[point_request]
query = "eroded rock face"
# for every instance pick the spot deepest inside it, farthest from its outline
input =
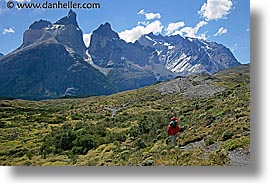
(65, 31)
(51, 64)
(72, 37)
(108, 50)
(39, 25)
(36, 32)
(130, 65)
(70, 19)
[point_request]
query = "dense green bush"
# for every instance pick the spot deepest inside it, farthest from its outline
(58, 120)
(79, 139)
(83, 143)
(227, 135)
(2, 124)
(139, 143)
(76, 117)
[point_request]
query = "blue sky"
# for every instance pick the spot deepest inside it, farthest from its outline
(224, 21)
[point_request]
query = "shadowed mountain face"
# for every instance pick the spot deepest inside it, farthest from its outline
(129, 66)
(50, 64)
(53, 61)
(65, 31)
(108, 50)
(69, 19)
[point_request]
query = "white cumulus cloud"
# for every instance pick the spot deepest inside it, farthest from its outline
(216, 9)
(87, 39)
(149, 15)
(192, 31)
(135, 33)
(9, 31)
(221, 31)
(172, 27)
(143, 23)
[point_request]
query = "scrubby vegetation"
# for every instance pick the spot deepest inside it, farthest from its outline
(128, 128)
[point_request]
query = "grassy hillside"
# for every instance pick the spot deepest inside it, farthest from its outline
(129, 128)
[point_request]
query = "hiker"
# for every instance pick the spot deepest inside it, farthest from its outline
(173, 129)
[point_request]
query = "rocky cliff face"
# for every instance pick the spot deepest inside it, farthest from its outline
(108, 50)
(50, 71)
(129, 65)
(50, 64)
(65, 31)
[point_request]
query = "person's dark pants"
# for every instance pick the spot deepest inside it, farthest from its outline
(174, 139)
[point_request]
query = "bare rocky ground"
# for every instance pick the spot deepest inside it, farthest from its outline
(198, 86)
(238, 157)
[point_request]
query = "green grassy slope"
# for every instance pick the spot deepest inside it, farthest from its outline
(129, 128)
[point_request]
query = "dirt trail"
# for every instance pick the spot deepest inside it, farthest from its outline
(238, 157)
(113, 110)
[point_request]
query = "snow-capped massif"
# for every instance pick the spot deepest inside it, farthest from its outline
(185, 56)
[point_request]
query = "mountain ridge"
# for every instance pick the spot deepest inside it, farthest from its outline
(109, 62)
(185, 56)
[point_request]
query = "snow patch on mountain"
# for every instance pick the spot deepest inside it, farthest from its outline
(89, 60)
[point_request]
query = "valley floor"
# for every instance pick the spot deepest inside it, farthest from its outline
(129, 128)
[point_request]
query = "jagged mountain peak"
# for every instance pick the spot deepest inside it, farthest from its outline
(152, 35)
(71, 12)
(107, 26)
(65, 32)
(106, 31)
(69, 19)
(40, 24)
